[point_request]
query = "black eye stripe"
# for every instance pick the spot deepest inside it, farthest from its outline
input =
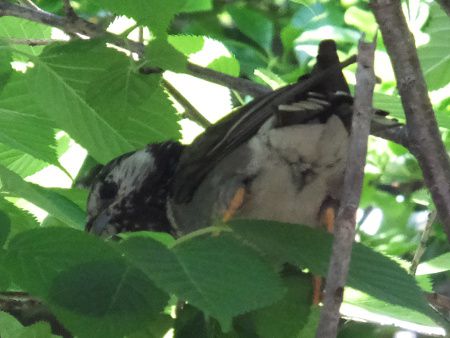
(108, 190)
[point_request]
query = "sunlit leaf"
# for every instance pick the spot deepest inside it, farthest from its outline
(435, 55)
(53, 203)
(154, 13)
(13, 29)
(435, 265)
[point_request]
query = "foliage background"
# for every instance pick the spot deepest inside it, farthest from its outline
(66, 106)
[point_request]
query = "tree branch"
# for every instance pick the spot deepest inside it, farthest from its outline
(241, 85)
(425, 139)
(398, 135)
(423, 243)
(32, 42)
(29, 310)
(79, 25)
(190, 111)
(353, 180)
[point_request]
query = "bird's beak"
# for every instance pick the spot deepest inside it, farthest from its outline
(101, 225)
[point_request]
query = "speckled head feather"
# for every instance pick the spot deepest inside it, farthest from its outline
(130, 192)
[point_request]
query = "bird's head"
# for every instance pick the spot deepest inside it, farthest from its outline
(130, 192)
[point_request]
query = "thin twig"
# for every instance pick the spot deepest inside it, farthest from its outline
(398, 135)
(31, 4)
(241, 85)
(190, 111)
(425, 139)
(353, 180)
(423, 242)
(32, 42)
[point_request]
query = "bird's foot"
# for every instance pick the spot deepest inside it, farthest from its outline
(327, 218)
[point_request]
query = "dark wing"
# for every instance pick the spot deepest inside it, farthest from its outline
(238, 127)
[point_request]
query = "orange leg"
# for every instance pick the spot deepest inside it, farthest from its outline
(235, 203)
(317, 290)
(327, 218)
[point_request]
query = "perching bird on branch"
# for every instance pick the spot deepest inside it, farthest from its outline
(281, 157)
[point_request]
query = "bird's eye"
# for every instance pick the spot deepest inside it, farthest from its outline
(108, 190)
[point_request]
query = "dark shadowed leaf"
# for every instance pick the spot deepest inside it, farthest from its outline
(254, 25)
(212, 272)
(86, 283)
(311, 249)
(5, 227)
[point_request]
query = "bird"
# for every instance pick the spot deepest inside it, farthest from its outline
(280, 157)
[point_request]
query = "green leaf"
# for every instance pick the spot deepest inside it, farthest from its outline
(24, 128)
(5, 227)
(5, 66)
(249, 57)
(154, 13)
(254, 25)
(123, 295)
(58, 84)
(29, 134)
(142, 111)
(16, 96)
(76, 195)
(55, 204)
(21, 163)
(10, 327)
(161, 237)
(156, 327)
(435, 265)
(361, 19)
(312, 323)
(227, 65)
(161, 53)
(435, 55)
(286, 318)
(390, 104)
(5, 279)
(370, 272)
(17, 28)
(21, 220)
(203, 271)
(270, 78)
(187, 44)
(288, 35)
(37, 330)
(196, 6)
(62, 266)
(373, 305)
(318, 14)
